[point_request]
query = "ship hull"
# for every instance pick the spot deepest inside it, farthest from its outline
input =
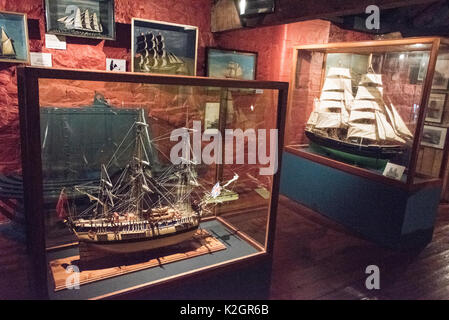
(373, 156)
(141, 243)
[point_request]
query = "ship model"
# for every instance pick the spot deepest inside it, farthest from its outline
(363, 129)
(233, 71)
(153, 56)
(6, 47)
(137, 211)
(83, 20)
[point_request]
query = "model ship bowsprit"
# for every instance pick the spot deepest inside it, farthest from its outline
(137, 211)
(6, 47)
(153, 55)
(356, 129)
(82, 20)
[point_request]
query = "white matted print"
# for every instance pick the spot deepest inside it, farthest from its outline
(434, 137)
(435, 109)
(394, 171)
(118, 65)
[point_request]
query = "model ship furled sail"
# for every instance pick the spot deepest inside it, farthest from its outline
(153, 55)
(365, 125)
(6, 47)
(83, 21)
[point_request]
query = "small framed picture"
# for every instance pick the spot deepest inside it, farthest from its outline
(434, 137)
(161, 47)
(211, 117)
(85, 19)
(394, 171)
(14, 37)
(231, 64)
(117, 65)
(441, 75)
(435, 109)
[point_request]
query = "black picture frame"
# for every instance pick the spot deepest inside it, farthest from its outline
(101, 11)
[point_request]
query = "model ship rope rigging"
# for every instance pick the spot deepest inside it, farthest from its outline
(138, 211)
(154, 56)
(365, 125)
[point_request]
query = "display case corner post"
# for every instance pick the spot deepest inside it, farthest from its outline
(28, 95)
(280, 125)
(422, 110)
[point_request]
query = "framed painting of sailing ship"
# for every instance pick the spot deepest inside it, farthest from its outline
(165, 48)
(434, 137)
(441, 77)
(231, 64)
(437, 101)
(85, 19)
(14, 45)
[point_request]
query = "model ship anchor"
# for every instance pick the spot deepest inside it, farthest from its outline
(138, 212)
(82, 21)
(6, 47)
(153, 55)
(364, 126)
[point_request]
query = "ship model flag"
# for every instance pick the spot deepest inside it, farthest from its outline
(153, 56)
(6, 47)
(136, 211)
(82, 21)
(360, 129)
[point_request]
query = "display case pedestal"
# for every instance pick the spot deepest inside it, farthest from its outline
(389, 215)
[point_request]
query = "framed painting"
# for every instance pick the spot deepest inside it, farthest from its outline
(434, 137)
(441, 75)
(14, 37)
(231, 64)
(165, 48)
(437, 101)
(81, 18)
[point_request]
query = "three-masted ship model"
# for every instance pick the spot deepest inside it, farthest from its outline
(6, 47)
(233, 71)
(153, 56)
(137, 211)
(83, 20)
(361, 129)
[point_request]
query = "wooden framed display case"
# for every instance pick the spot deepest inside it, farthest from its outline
(359, 109)
(87, 137)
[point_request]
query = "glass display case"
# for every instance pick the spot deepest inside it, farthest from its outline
(134, 180)
(376, 108)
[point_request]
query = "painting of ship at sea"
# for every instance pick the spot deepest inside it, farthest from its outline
(83, 20)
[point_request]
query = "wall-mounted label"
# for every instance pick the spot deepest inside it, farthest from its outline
(40, 59)
(53, 41)
(259, 91)
(118, 65)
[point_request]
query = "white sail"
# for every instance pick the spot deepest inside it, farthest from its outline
(86, 19)
(365, 104)
(78, 22)
(331, 84)
(325, 105)
(399, 124)
(94, 23)
(369, 93)
(361, 115)
(328, 120)
(7, 49)
(385, 130)
(361, 130)
(339, 72)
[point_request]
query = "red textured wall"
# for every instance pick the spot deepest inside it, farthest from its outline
(88, 53)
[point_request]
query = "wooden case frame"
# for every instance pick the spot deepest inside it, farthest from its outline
(28, 91)
(27, 41)
(163, 23)
(367, 47)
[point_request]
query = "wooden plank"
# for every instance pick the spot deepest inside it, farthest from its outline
(437, 160)
(203, 243)
(427, 160)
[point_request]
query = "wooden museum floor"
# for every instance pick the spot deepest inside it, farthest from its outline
(314, 259)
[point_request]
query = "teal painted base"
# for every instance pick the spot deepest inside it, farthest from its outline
(387, 215)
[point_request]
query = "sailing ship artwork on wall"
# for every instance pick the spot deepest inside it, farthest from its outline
(87, 18)
(137, 210)
(165, 48)
(231, 64)
(13, 37)
(365, 129)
